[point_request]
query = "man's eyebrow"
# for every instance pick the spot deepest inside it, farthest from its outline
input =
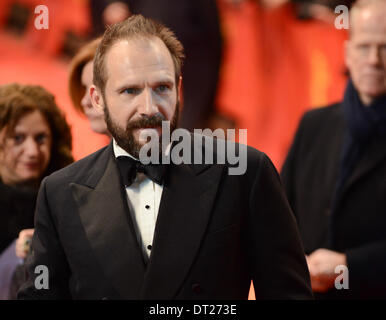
(140, 84)
(162, 81)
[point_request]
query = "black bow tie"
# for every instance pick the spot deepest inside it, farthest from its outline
(129, 168)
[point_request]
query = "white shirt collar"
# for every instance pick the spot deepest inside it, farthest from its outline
(118, 151)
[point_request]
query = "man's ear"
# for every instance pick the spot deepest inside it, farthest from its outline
(97, 99)
(179, 93)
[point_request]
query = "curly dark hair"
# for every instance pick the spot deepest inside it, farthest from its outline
(17, 100)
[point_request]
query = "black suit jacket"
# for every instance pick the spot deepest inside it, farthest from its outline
(214, 233)
(310, 175)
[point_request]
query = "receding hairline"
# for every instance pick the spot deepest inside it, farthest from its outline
(132, 27)
(134, 38)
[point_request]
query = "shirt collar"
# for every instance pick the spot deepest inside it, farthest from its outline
(118, 151)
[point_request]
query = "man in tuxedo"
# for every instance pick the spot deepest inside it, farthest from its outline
(109, 227)
(335, 172)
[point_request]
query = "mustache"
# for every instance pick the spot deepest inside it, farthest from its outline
(146, 122)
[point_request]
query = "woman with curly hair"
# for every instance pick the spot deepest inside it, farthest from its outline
(35, 140)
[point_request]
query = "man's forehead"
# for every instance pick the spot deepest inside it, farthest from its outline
(370, 18)
(139, 53)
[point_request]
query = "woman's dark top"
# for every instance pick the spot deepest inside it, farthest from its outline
(17, 206)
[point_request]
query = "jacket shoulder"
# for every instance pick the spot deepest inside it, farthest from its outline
(317, 123)
(82, 169)
(321, 115)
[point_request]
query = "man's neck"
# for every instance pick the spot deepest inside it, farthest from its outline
(366, 100)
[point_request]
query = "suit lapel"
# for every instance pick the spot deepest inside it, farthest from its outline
(109, 229)
(332, 154)
(373, 156)
(185, 209)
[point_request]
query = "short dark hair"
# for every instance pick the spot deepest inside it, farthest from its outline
(17, 100)
(136, 26)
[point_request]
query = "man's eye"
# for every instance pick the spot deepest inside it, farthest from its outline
(162, 88)
(363, 47)
(131, 90)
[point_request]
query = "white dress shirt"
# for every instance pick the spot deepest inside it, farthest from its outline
(143, 198)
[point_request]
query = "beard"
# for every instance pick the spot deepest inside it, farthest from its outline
(125, 137)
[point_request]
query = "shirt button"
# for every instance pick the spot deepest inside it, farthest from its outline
(149, 247)
(147, 206)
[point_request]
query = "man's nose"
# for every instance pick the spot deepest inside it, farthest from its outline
(148, 105)
(31, 147)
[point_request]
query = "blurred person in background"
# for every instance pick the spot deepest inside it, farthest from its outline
(80, 80)
(305, 9)
(335, 172)
(35, 140)
(323, 10)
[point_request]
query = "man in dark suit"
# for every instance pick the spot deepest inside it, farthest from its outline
(335, 172)
(109, 227)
